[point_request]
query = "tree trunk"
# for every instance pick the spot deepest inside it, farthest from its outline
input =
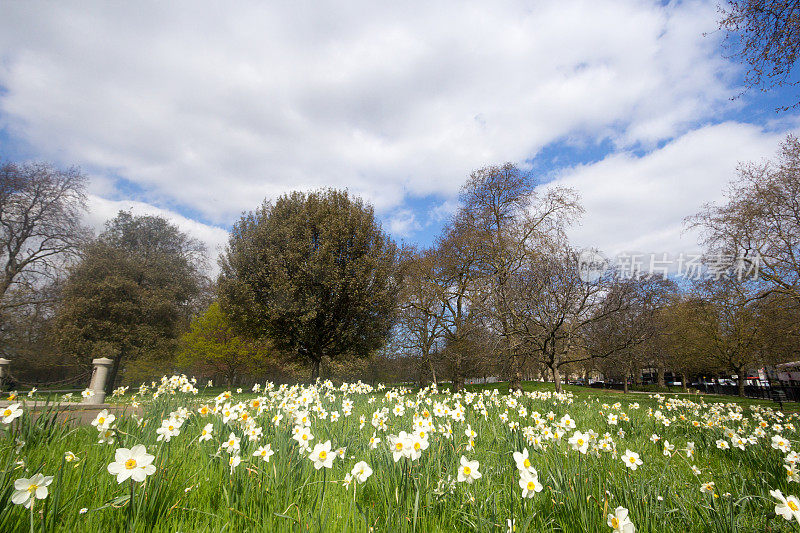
(556, 377)
(515, 383)
(112, 376)
(314, 370)
(740, 384)
(625, 382)
(684, 381)
(661, 376)
(637, 376)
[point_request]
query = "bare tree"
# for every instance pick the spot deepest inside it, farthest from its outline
(457, 279)
(757, 230)
(732, 325)
(41, 210)
(507, 215)
(765, 35)
(420, 327)
(554, 308)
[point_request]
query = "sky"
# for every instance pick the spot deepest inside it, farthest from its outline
(199, 111)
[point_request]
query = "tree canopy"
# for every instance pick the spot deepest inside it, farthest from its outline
(315, 274)
(133, 292)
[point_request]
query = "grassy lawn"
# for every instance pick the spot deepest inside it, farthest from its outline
(211, 485)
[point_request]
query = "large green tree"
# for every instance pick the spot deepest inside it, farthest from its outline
(315, 274)
(133, 293)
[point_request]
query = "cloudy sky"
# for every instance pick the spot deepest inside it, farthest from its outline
(199, 112)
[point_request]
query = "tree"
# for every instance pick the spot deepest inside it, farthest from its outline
(507, 216)
(421, 319)
(732, 325)
(554, 308)
(41, 212)
(315, 274)
(684, 346)
(625, 340)
(765, 35)
(211, 344)
(132, 294)
(756, 232)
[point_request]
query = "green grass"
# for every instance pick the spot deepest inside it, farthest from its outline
(193, 488)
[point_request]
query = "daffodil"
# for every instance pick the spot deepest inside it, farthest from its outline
(787, 507)
(321, 455)
(620, 522)
(631, 460)
(468, 471)
(134, 463)
(28, 490)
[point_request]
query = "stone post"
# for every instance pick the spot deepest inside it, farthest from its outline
(98, 383)
(4, 372)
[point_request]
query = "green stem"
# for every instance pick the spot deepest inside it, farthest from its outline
(32, 513)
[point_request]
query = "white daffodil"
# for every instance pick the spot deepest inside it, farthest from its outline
(231, 444)
(27, 490)
(529, 483)
(134, 463)
(787, 507)
(400, 445)
(206, 433)
(631, 460)
(523, 461)
(579, 442)
(468, 471)
(265, 452)
(103, 420)
(620, 522)
(321, 455)
(361, 471)
(779, 443)
(10, 413)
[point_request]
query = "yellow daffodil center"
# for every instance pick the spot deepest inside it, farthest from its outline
(398, 446)
(417, 446)
(263, 453)
(632, 459)
(615, 522)
(323, 454)
(130, 463)
(527, 463)
(7, 412)
(305, 437)
(580, 442)
(231, 443)
(792, 505)
(102, 420)
(33, 487)
(467, 470)
(531, 485)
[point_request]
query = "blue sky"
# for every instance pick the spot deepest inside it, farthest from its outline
(199, 113)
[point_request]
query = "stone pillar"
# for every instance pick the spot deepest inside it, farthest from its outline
(4, 372)
(98, 383)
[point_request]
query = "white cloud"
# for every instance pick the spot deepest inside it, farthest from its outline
(212, 107)
(638, 204)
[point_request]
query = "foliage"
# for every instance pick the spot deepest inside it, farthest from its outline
(315, 274)
(212, 346)
(132, 294)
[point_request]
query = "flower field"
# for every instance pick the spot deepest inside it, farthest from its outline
(357, 458)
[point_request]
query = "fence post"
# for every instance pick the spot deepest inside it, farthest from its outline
(4, 372)
(98, 382)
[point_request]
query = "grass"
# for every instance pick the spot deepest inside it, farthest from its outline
(195, 489)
